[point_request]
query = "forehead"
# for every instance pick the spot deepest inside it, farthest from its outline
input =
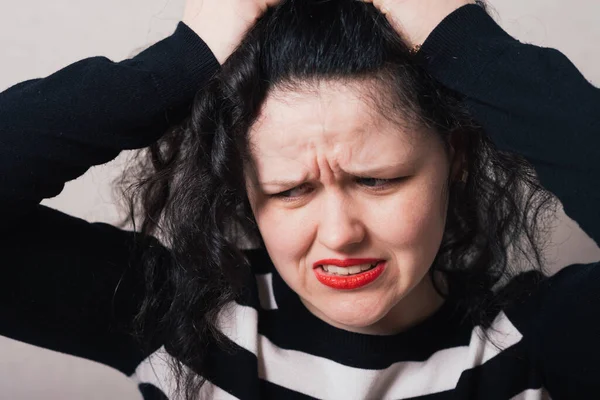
(329, 117)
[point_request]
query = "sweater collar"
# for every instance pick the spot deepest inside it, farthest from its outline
(442, 329)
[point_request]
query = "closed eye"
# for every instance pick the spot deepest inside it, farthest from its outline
(370, 183)
(298, 191)
(378, 183)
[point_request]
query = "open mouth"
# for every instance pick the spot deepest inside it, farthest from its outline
(349, 277)
(347, 271)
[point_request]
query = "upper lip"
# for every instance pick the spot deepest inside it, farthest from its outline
(349, 262)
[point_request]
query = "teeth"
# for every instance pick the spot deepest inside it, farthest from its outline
(355, 269)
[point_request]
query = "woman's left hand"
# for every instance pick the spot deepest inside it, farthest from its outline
(414, 20)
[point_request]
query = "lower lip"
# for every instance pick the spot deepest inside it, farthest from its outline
(348, 282)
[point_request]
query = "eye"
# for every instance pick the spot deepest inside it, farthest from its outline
(378, 183)
(294, 193)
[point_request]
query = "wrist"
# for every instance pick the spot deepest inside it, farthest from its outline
(429, 18)
(220, 41)
(180, 64)
(459, 46)
(223, 28)
(220, 45)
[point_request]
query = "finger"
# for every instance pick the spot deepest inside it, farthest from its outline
(380, 5)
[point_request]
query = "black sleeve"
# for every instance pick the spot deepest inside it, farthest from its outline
(534, 102)
(566, 332)
(530, 100)
(66, 284)
(53, 129)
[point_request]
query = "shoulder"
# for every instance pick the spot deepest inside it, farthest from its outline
(570, 301)
(576, 276)
(570, 295)
(560, 322)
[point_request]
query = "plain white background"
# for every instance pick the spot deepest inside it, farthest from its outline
(39, 37)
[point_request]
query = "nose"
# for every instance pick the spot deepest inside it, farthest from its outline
(341, 224)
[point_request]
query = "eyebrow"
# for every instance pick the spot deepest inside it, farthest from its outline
(379, 169)
(282, 183)
(367, 172)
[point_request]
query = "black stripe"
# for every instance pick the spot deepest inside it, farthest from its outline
(270, 390)
(292, 326)
(503, 377)
(445, 395)
(151, 392)
(312, 340)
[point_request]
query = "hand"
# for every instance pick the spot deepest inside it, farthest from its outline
(223, 23)
(414, 20)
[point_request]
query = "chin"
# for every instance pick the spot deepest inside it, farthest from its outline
(356, 315)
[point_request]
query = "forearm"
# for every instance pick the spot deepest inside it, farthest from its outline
(530, 100)
(53, 129)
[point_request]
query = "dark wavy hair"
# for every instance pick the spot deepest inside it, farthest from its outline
(188, 189)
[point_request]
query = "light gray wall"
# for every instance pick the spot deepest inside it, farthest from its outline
(38, 37)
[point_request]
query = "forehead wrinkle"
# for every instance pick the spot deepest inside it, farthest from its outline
(361, 102)
(338, 143)
(326, 128)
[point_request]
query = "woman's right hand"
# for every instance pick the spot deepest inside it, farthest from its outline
(223, 23)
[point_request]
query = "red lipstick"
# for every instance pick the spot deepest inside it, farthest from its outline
(348, 282)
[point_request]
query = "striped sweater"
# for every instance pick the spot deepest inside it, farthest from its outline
(73, 286)
(282, 351)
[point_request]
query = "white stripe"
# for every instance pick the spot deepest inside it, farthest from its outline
(502, 334)
(321, 377)
(324, 378)
(532, 394)
(265, 291)
(240, 325)
(155, 370)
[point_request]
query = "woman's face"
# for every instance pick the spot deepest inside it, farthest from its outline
(337, 188)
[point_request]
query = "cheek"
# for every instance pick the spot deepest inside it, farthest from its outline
(413, 219)
(287, 234)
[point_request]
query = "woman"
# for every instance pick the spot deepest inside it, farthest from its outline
(380, 214)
